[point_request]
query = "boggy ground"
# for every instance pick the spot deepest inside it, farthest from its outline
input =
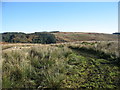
(66, 65)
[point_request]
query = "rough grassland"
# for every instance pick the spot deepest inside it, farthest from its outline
(80, 36)
(70, 65)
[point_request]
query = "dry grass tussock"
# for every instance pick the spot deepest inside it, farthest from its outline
(67, 65)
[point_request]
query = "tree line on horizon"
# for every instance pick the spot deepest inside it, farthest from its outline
(37, 37)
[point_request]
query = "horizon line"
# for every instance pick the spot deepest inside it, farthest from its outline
(57, 32)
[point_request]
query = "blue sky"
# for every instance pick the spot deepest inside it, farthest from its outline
(30, 17)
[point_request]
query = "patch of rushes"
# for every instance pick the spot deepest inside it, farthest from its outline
(57, 67)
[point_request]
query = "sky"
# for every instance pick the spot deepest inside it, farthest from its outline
(28, 17)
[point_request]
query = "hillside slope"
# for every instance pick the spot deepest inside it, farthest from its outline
(78, 36)
(53, 37)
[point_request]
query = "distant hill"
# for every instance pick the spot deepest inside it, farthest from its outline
(81, 36)
(55, 36)
(37, 37)
(117, 33)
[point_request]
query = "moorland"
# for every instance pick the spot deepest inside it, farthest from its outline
(60, 60)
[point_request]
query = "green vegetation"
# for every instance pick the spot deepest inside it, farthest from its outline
(61, 66)
(55, 36)
(37, 37)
